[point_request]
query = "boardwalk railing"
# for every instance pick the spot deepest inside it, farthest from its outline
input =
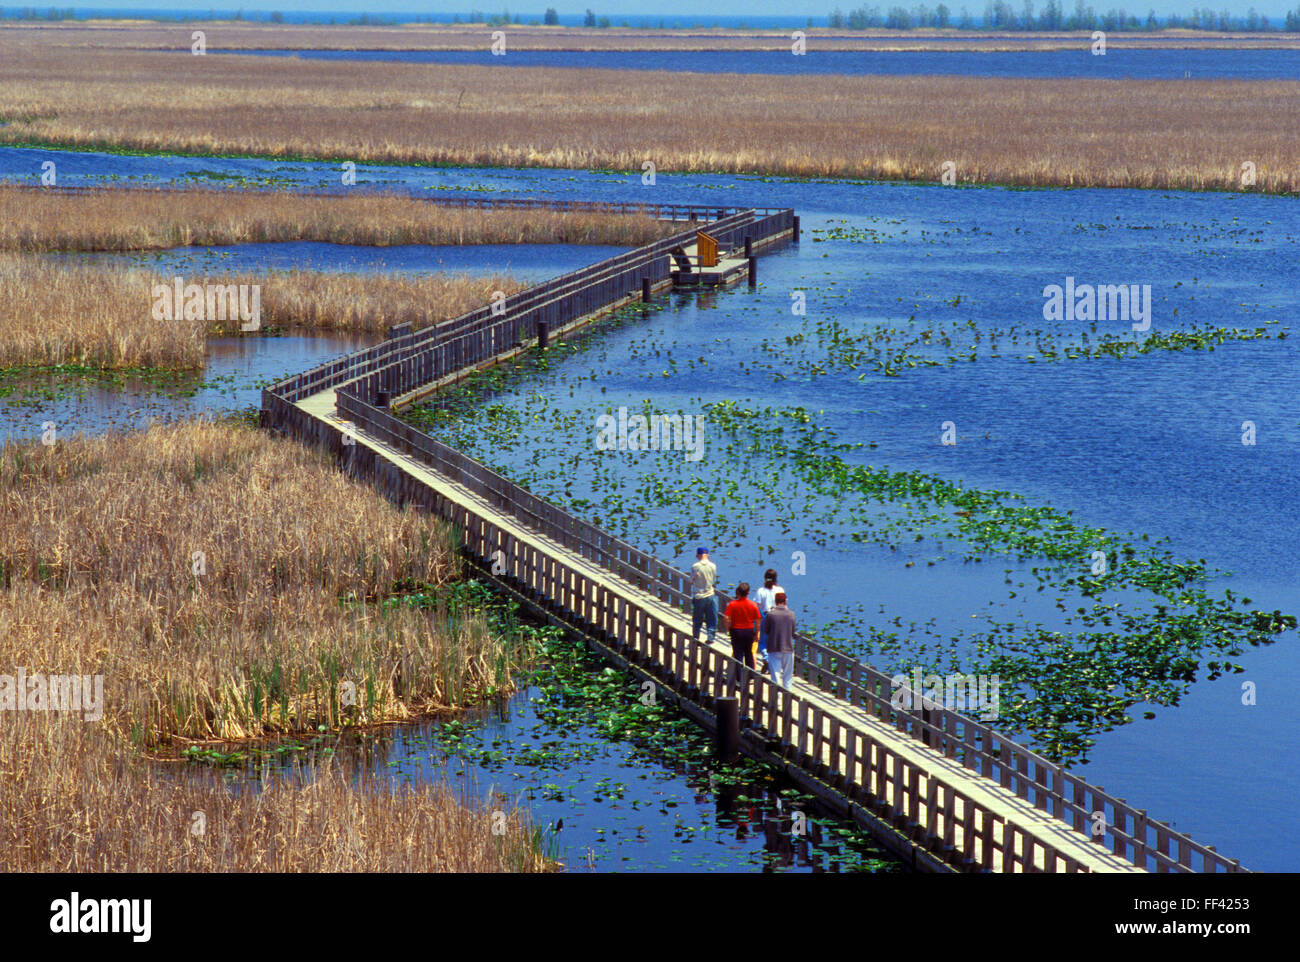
(483, 333)
(867, 770)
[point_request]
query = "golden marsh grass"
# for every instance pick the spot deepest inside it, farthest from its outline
(101, 316)
(228, 585)
(138, 220)
(73, 801)
(55, 312)
(98, 577)
(1191, 135)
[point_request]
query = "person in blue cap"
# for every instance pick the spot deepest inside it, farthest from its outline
(704, 600)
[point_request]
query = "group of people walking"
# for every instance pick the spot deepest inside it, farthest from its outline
(767, 616)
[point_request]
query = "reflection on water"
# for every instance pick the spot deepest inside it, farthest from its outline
(235, 371)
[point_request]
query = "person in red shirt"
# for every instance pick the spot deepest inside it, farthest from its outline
(743, 618)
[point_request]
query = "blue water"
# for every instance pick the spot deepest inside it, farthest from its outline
(1149, 443)
(525, 262)
(1117, 64)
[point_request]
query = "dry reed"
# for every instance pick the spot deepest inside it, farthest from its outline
(134, 220)
(226, 584)
(98, 577)
(73, 801)
(58, 313)
(61, 313)
(54, 313)
(370, 302)
(1153, 134)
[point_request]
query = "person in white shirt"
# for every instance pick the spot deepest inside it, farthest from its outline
(766, 600)
(704, 600)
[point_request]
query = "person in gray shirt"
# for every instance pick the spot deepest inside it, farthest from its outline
(778, 626)
(704, 600)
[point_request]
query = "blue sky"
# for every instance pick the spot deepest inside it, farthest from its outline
(652, 9)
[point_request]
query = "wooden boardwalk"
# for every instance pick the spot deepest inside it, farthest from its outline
(932, 784)
(990, 796)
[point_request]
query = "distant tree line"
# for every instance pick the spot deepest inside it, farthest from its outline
(31, 13)
(998, 15)
(1001, 15)
(69, 13)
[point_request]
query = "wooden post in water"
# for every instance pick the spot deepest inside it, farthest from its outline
(543, 335)
(753, 271)
(749, 246)
(795, 237)
(645, 290)
(727, 737)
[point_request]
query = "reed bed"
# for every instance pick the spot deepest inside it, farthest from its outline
(137, 220)
(55, 313)
(61, 314)
(73, 801)
(1192, 135)
(227, 585)
(369, 303)
(98, 577)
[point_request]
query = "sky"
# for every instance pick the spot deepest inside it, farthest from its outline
(659, 8)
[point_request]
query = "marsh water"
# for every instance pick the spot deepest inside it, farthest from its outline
(901, 285)
(1116, 63)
